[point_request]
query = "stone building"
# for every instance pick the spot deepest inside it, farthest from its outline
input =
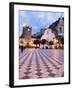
(58, 27)
(25, 37)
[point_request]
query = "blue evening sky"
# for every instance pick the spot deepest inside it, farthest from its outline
(37, 19)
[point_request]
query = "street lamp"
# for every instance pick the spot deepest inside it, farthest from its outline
(55, 41)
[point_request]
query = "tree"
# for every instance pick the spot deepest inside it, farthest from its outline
(61, 41)
(51, 43)
(43, 41)
(36, 42)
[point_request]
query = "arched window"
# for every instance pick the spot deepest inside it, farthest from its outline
(60, 30)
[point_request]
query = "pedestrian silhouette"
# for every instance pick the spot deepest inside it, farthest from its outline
(22, 48)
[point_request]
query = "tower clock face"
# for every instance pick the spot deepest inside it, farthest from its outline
(28, 29)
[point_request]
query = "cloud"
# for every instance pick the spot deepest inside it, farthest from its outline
(24, 18)
(38, 19)
(34, 29)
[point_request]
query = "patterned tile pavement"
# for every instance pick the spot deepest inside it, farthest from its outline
(41, 63)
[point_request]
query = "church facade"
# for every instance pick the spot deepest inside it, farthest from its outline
(52, 33)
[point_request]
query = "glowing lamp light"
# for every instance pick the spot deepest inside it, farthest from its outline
(55, 41)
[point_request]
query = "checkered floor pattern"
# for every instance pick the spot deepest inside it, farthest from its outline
(41, 63)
